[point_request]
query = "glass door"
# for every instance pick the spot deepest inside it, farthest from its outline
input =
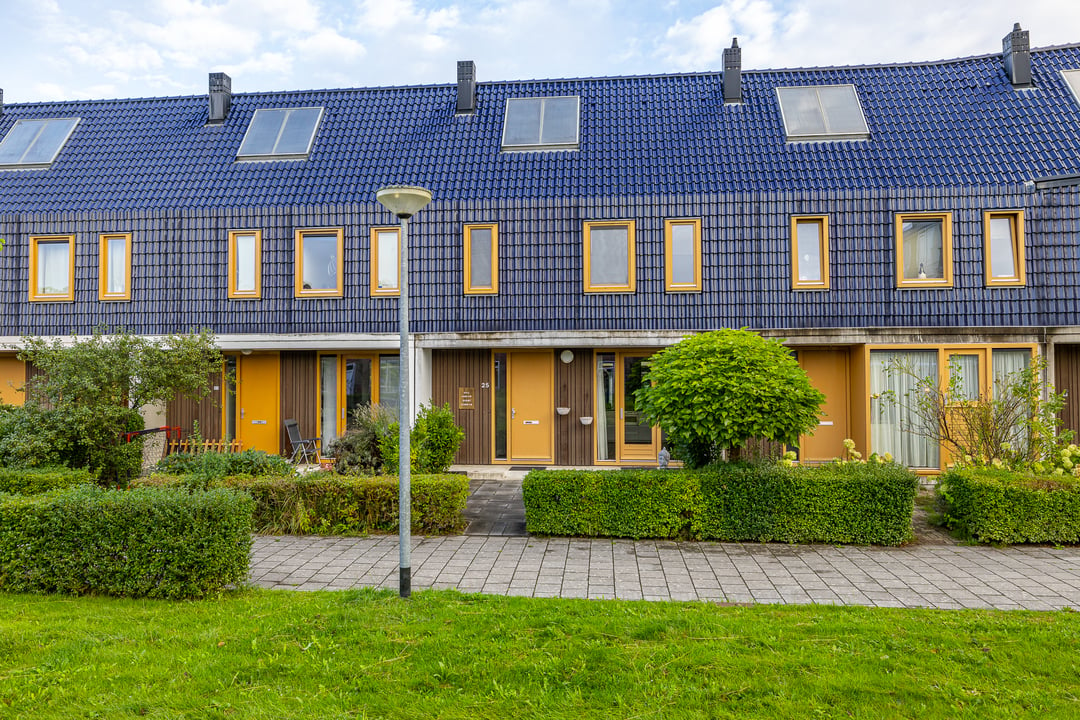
(638, 439)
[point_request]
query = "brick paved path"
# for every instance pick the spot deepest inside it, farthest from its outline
(1036, 578)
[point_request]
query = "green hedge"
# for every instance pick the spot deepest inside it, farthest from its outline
(999, 506)
(860, 503)
(30, 481)
(866, 503)
(610, 503)
(150, 542)
(325, 503)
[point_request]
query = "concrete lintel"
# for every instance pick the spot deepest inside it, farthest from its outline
(588, 338)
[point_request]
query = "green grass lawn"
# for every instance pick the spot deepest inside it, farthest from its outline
(367, 654)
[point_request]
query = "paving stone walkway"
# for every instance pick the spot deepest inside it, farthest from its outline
(495, 557)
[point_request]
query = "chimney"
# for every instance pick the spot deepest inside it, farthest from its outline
(733, 72)
(220, 97)
(1, 101)
(466, 86)
(1016, 52)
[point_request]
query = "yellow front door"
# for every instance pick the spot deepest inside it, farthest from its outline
(827, 369)
(258, 401)
(530, 379)
(12, 379)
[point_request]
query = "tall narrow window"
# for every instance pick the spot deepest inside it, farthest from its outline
(318, 262)
(895, 427)
(1004, 247)
(810, 252)
(114, 273)
(390, 382)
(609, 256)
(682, 255)
(481, 259)
(245, 264)
(924, 250)
(385, 262)
(52, 268)
(328, 399)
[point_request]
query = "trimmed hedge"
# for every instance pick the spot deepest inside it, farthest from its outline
(864, 503)
(30, 481)
(325, 503)
(855, 503)
(219, 465)
(610, 503)
(998, 506)
(150, 542)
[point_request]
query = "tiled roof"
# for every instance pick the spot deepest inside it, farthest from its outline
(950, 124)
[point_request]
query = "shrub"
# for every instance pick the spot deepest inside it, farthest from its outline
(610, 503)
(325, 503)
(33, 437)
(999, 506)
(215, 465)
(371, 444)
(360, 449)
(849, 503)
(435, 439)
(30, 481)
(865, 503)
(150, 542)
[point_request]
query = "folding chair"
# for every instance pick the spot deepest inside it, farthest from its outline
(303, 449)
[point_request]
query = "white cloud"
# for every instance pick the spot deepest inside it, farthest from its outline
(329, 45)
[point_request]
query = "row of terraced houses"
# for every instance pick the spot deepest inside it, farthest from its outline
(928, 211)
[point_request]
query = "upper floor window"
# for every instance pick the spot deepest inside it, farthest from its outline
(1004, 247)
(245, 264)
(385, 261)
(549, 123)
(822, 112)
(924, 250)
(35, 143)
(283, 133)
(810, 252)
(52, 267)
(609, 256)
(481, 259)
(114, 273)
(682, 255)
(318, 262)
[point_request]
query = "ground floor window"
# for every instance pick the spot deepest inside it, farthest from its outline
(348, 381)
(894, 428)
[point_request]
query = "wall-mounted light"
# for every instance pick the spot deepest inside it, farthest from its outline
(567, 356)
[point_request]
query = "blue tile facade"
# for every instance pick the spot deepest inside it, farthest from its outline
(951, 136)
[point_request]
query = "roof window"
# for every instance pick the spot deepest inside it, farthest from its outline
(822, 112)
(548, 123)
(35, 143)
(282, 133)
(1072, 77)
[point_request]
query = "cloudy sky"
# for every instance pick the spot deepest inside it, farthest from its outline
(75, 49)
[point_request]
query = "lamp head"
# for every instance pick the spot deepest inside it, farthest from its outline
(403, 200)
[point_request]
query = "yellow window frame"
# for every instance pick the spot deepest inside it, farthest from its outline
(376, 290)
(38, 295)
(1016, 223)
(471, 289)
(234, 293)
(822, 222)
(298, 263)
(631, 257)
(669, 250)
(103, 269)
(946, 250)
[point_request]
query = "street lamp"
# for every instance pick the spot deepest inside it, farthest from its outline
(404, 201)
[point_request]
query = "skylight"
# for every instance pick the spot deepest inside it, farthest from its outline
(822, 112)
(35, 143)
(281, 133)
(1072, 77)
(549, 123)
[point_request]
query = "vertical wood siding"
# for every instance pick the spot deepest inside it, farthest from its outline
(574, 389)
(1067, 380)
(299, 393)
(455, 369)
(184, 412)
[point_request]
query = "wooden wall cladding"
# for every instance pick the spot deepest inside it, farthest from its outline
(184, 412)
(1067, 380)
(299, 393)
(461, 378)
(574, 390)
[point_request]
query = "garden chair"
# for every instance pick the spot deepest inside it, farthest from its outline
(303, 449)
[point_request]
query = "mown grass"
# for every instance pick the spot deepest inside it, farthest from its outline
(367, 654)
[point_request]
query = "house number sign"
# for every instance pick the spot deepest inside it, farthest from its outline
(466, 398)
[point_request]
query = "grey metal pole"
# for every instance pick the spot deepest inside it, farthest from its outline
(404, 413)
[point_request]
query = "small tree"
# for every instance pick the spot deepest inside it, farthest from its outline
(714, 391)
(1015, 425)
(99, 384)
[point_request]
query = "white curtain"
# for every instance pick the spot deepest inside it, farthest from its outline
(893, 426)
(601, 410)
(328, 413)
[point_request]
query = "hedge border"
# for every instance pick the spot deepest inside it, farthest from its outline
(998, 506)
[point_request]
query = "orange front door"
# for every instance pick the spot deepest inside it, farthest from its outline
(258, 401)
(828, 372)
(530, 400)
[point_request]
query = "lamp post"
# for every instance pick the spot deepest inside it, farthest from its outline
(404, 201)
